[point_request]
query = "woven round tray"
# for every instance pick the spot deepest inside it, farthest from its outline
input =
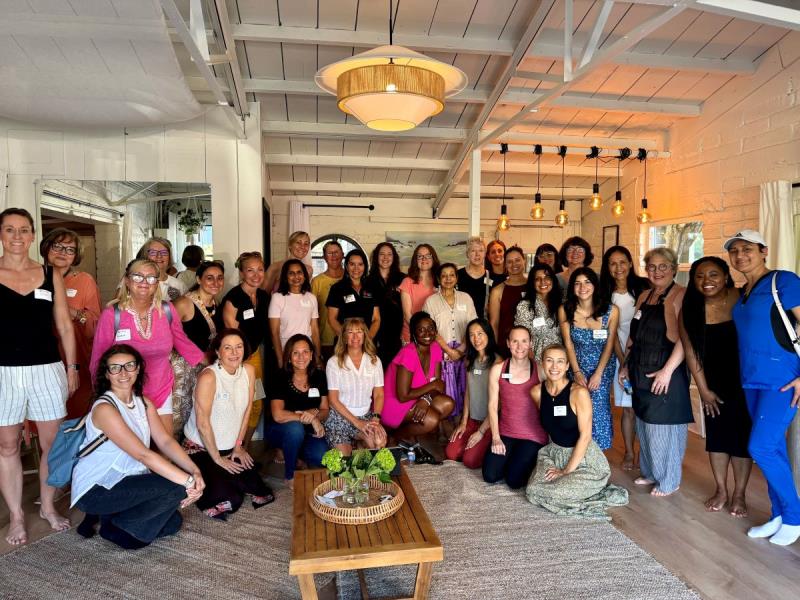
(372, 511)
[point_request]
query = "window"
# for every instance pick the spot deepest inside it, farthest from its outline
(686, 239)
(317, 258)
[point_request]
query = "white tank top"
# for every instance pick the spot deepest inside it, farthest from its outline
(109, 464)
(231, 399)
(626, 304)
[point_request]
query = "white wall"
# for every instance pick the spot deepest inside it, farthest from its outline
(200, 150)
(748, 133)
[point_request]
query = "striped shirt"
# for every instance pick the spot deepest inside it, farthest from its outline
(355, 385)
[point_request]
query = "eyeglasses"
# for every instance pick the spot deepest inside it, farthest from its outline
(548, 254)
(129, 367)
(62, 249)
(140, 277)
(424, 257)
(158, 253)
(576, 250)
(661, 268)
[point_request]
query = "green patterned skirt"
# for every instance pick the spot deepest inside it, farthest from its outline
(585, 492)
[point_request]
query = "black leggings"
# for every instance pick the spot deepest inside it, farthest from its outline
(516, 465)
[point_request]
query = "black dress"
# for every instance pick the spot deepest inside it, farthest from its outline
(729, 431)
(387, 340)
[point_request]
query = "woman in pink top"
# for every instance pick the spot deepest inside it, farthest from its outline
(145, 325)
(419, 285)
(414, 401)
(517, 432)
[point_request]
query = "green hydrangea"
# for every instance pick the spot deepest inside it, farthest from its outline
(384, 459)
(361, 459)
(332, 460)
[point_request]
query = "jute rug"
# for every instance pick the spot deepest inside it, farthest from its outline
(497, 546)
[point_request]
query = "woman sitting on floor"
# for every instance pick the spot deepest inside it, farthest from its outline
(470, 441)
(216, 428)
(517, 433)
(133, 491)
(572, 472)
(355, 388)
(414, 398)
(299, 403)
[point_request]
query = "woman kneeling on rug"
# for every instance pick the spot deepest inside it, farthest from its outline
(517, 433)
(572, 472)
(133, 491)
(216, 428)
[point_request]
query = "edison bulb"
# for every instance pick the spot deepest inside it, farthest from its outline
(596, 203)
(644, 217)
(537, 212)
(562, 218)
(503, 224)
(618, 209)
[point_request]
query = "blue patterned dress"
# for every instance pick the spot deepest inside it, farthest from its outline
(588, 349)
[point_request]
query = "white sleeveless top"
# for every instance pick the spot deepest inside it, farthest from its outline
(626, 304)
(109, 464)
(227, 410)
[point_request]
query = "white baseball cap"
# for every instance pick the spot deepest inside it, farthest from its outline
(748, 235)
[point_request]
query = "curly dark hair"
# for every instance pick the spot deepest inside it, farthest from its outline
(101, 382)
(283, 285)
(576, 241)
(374, 267)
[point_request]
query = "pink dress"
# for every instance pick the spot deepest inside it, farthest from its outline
(155, 351)
(395, 411)
(419, 293)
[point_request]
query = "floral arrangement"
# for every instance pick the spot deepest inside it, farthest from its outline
(361, 465)
(190, 220)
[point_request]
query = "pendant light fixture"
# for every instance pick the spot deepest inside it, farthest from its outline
(597, 201)
(537, 212)
(503, 222)
(562, 218)
(391, 88)
(618, 208)
(644, 216)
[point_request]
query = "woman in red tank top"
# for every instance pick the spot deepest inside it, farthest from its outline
(504, 297)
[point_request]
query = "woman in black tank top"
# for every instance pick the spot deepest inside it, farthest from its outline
(571, 471)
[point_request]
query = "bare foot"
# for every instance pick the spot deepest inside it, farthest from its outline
(738, 507)
(643, 481)
(658, 493)
(717, 502)
(57, 521)
(16, 532)
(627, 462)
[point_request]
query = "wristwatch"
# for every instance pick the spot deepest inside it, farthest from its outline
(189, 482)
(74, 367)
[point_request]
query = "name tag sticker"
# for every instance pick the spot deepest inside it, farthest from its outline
(432, 379)
(461, 307)
(637, 314)
(305, 303)
(248, 314)
(71, 292)
(349, 298)
(487, 281)
(477, 371)
(522, 294)
(123, 335)
(505, 376)
(41, 294)
(559, 411)
(313, 393)
(538, 322)
(600, 334)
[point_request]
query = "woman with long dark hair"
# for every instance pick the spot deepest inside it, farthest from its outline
(620, 283)
(710, 342)
(293, 308)
(538, 310)
(504, 297)
(385, 278)
(353, 296)
(589, 328)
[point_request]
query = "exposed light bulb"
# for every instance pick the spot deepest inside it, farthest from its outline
(597, 201)
(562, 218)
(618, 208)
(391, 87)
(537, 212)
(503, 223)
(644, 216)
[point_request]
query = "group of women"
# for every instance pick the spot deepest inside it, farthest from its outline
(522, 366)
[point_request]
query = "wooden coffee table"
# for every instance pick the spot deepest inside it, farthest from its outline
(319, 546)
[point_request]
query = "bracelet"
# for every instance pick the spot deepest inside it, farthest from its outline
(74, 367)
(426, 397)
(189, 482)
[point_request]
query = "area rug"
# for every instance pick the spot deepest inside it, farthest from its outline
(496, 545)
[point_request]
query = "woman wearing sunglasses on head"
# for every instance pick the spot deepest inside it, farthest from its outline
(139, 317)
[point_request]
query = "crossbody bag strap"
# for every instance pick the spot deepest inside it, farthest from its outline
(784, 317)
(100, 439)
(212, 328)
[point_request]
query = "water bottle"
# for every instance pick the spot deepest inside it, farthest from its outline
(626, 385)
(411, 456)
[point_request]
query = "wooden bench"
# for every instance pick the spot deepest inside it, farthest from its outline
(318, 546)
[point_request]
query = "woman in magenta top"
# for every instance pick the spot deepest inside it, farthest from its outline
(517, 432)
(145, 325)
(419, 285)
(414, 401)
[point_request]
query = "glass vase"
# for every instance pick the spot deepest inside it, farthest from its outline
(356, 491)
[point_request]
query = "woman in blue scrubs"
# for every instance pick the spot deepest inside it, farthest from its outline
(770, 377)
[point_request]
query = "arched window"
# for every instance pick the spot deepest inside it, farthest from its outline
(318, 260)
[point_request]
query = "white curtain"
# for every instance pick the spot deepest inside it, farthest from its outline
(300, 220)
(776, 222)
(3, 184)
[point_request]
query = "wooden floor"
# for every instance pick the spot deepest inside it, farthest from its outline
(709, 551)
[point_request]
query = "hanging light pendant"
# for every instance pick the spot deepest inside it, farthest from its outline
(537, 212)
(618, 209)
(391, 88)
(644, 216)
(503, 222)
(597, 201)
(562, 218)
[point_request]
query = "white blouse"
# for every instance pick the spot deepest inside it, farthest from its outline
(355, 385)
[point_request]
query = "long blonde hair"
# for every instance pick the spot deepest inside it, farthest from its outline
(123, 297)
(341, 345)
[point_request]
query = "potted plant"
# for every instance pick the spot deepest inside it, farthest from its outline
(190, 221)
(352, 473)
